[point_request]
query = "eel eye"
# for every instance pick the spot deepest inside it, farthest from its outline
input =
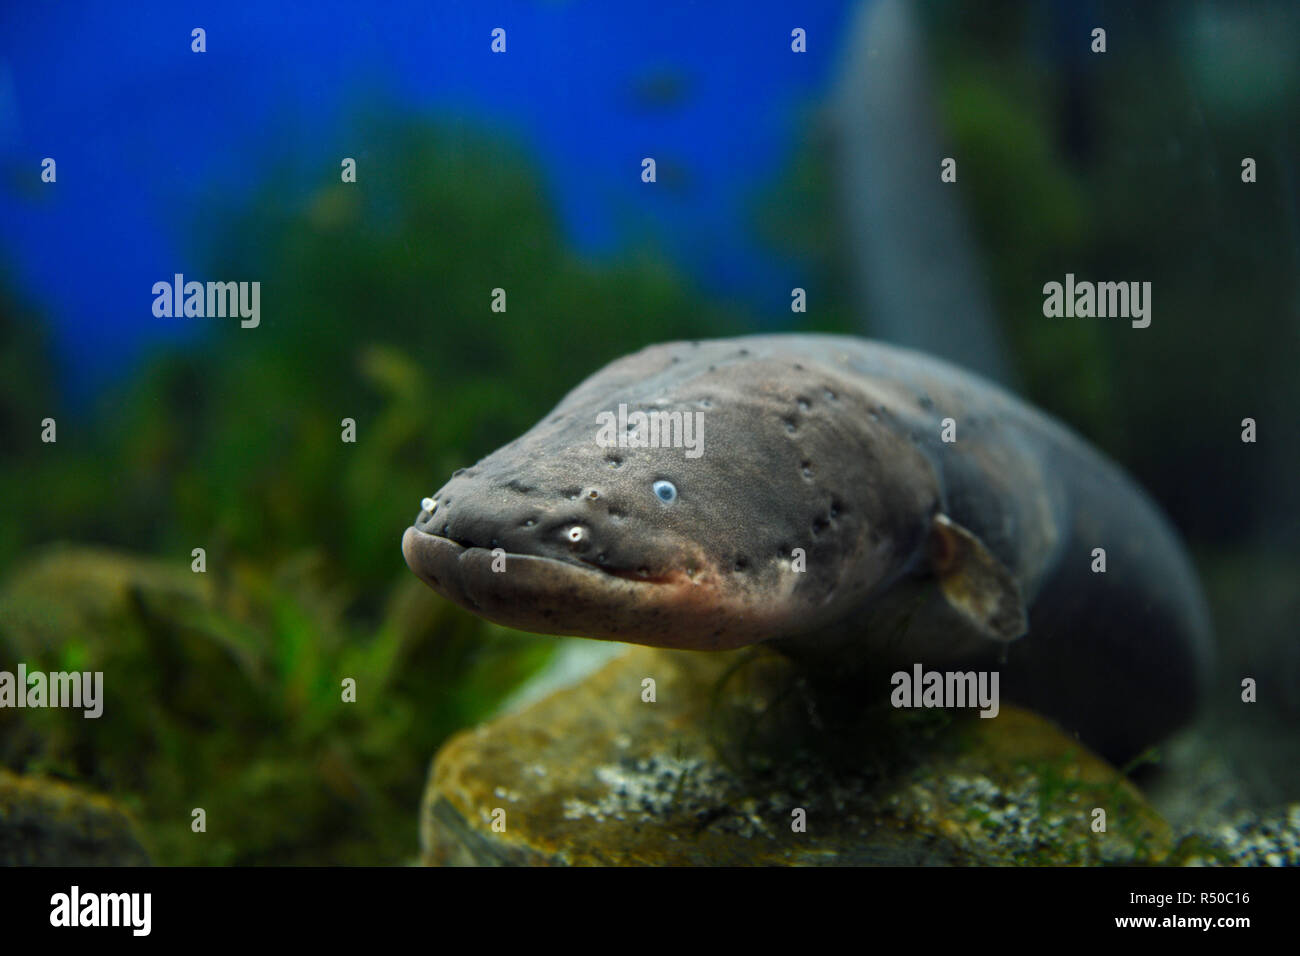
(665, 491)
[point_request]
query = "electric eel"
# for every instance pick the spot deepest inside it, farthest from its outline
(858, 505)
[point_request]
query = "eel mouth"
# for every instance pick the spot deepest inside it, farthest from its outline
(547, 595)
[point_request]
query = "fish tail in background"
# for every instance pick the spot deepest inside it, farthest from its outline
(918, 280)
(1283, 491)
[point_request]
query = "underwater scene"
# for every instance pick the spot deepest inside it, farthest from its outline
(559, 433)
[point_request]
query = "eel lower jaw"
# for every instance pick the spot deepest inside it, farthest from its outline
(551, 596)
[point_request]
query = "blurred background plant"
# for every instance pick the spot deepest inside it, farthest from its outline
(226, 693)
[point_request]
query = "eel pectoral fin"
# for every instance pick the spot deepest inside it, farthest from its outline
(974, 584)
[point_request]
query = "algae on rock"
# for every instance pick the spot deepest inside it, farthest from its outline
(47, 822)
(717, 768)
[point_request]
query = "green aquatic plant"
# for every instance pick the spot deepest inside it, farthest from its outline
(230, 697)
(225, 687)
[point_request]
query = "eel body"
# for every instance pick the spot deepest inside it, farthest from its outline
(861, 506)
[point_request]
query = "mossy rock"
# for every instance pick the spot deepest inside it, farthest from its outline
(224, 691)
(713, 771)
(67, 590)
(152, 628)
(47, 822)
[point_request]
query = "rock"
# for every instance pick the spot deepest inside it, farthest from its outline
(171, 656)
(46, 822)
(713, 771)
(1249, 838)
(65, 589)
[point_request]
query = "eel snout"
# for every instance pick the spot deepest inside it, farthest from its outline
(547, 595)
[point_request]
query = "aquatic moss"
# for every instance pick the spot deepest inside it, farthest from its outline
(225, 687)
